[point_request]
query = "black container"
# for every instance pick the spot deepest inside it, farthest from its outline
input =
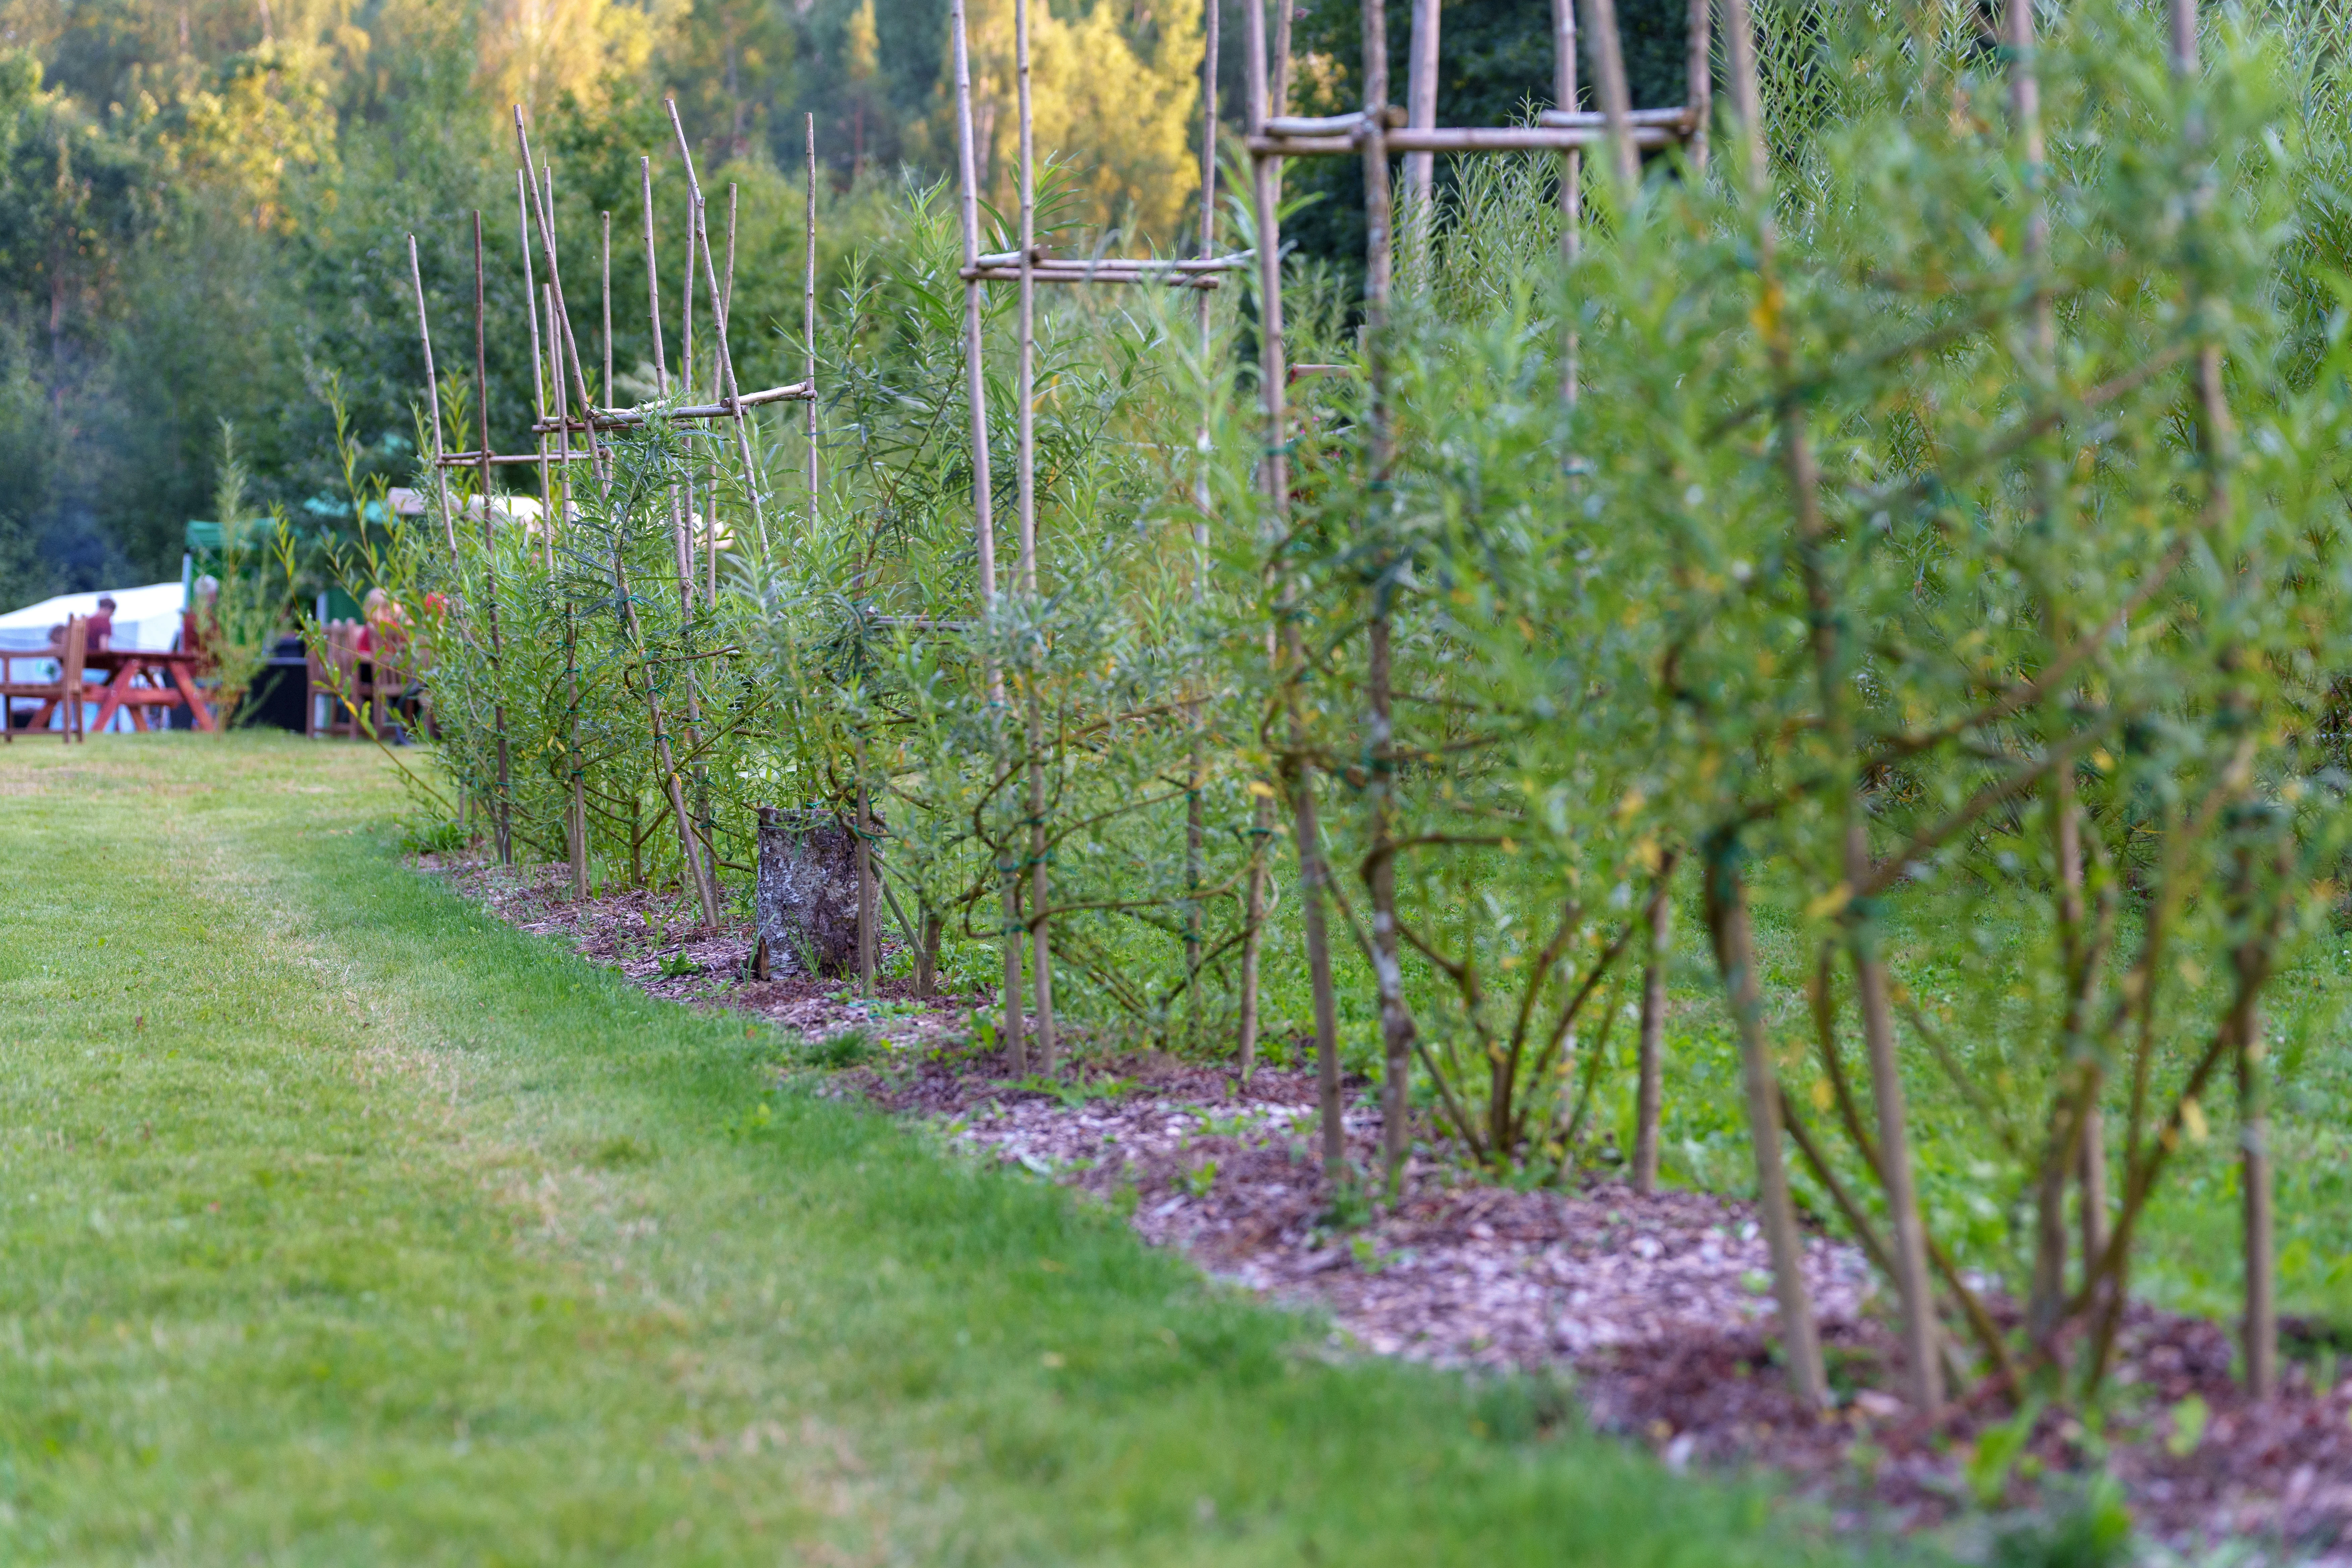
(280, 695)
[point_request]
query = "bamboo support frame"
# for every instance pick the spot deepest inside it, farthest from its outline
(1466, 138)
(474, 460)
(726, 408)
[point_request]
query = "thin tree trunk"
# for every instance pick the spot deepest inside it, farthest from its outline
(2260, 1328)
(1650, 1074)
(1735, 958)
(2093, 1178)
(1571, 185)
(1910, 1237)
(866, 912)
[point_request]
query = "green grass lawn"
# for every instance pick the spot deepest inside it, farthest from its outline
(344, 1225)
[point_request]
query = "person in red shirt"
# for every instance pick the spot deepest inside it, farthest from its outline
(101, 624)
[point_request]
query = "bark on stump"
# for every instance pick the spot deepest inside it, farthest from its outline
(806, 895)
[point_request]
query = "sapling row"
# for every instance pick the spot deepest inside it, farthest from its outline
(1890, 566)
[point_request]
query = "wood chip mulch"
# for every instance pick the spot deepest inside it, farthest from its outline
(1656, 1308)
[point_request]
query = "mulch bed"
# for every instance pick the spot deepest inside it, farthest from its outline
(1655, 1307)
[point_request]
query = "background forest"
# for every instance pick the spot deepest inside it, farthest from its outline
(203, 202)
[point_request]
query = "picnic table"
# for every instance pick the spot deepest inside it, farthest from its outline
(170, 680)
(140, 678)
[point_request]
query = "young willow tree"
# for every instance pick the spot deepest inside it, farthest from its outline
(1988, 504)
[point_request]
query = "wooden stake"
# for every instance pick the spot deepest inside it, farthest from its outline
(727, 280)
(1195, 814)
(1616, 103)
(1397, 1030)
(983, 500)
(808, 307)
(1277, 87)
(432, 402)
(609, 399)
(1421, 113)
(725, 361)
(686, 301)
(568, 347)
(653, 279)
(576, 829)
(1300, 772)
(1025, 390)
(1571, 183)
(502, 822)
(538, 379)
(1699, 79)
(725, 309)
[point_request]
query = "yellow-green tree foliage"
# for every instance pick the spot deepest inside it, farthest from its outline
(534, 52)
(1117, 91)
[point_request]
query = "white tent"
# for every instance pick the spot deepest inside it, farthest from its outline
(145, 618)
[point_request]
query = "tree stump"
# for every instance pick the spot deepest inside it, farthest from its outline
(806, 895)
